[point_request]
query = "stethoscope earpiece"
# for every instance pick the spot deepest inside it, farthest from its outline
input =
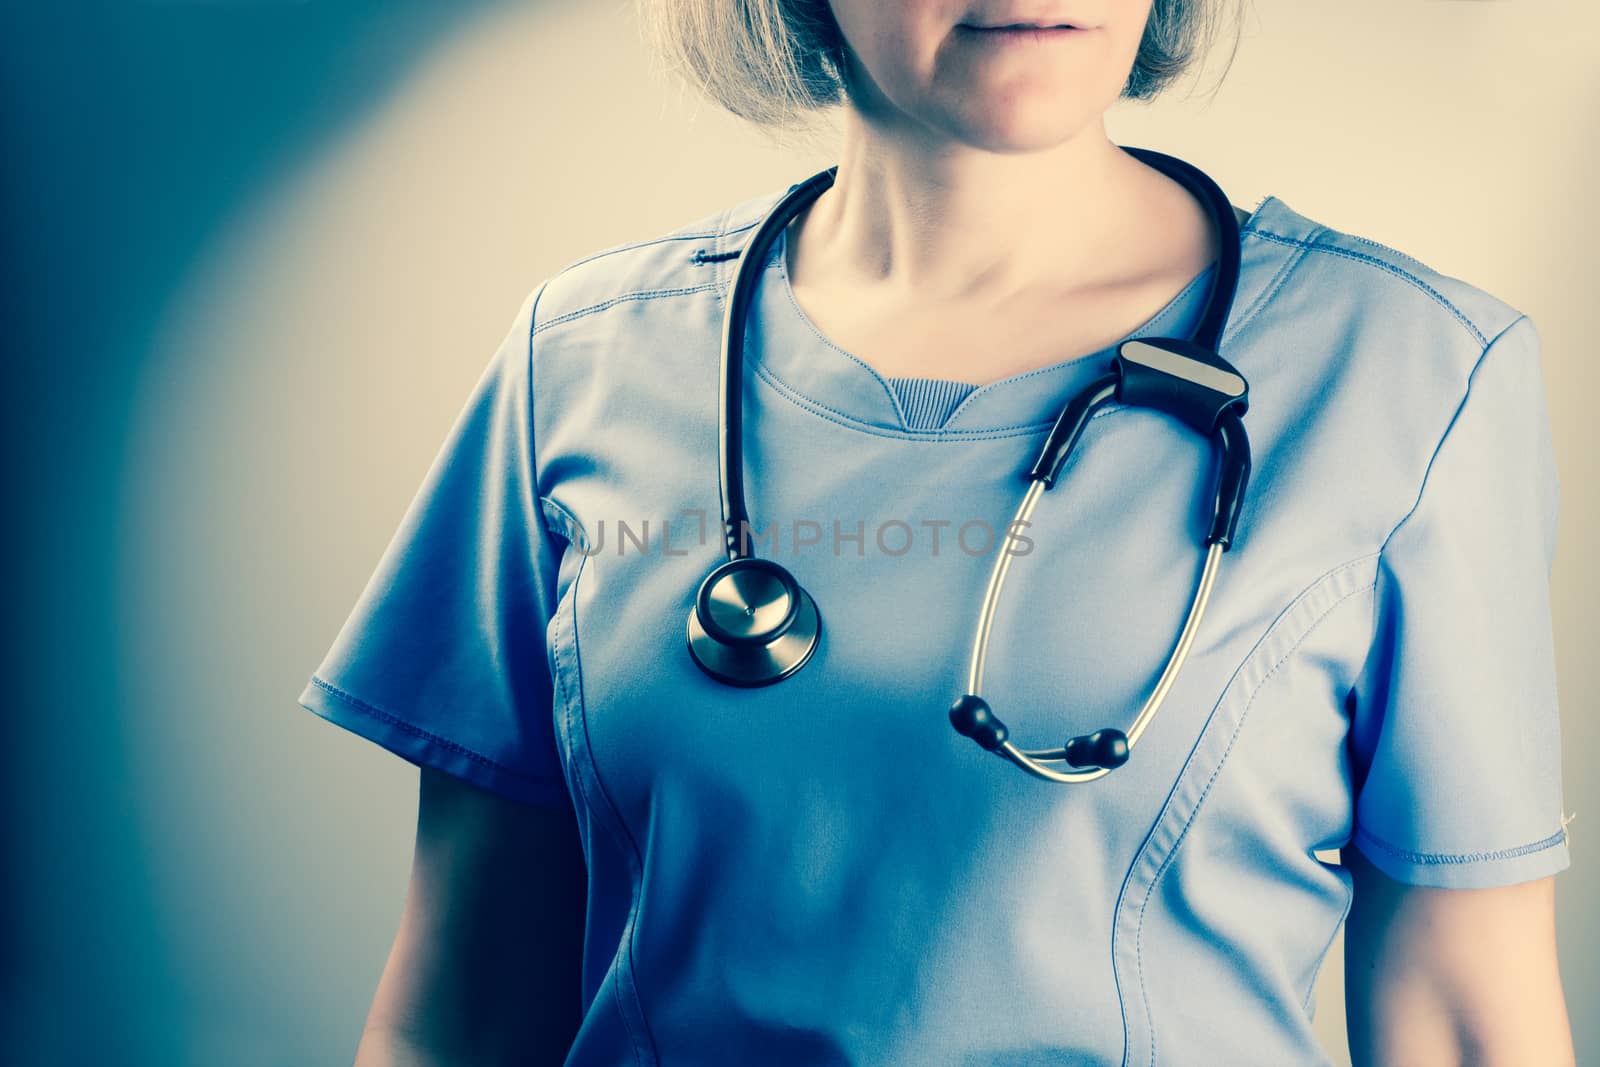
(751, 623)
(972, 717)
(1106, 748)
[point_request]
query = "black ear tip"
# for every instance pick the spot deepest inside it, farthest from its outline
(1106, 748)
(972, 717)
(1111, 748)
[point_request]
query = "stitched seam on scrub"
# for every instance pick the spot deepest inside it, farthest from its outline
(416, 731)
(624, 954)
(1445, 858)
(644, 294)
(722, 269)
(1422, 486)
(834, 415)
(1254, 218)
(1177, 298)
(571, 529)
(782, 267)
(1166, 864)
(697, 235)
(596, 815)
(1231, 331)
(1421, 266)
(721, 264)
(894, 399)
(782, 245)
(806, 402)
(533, 432)
(1171, 799)
(829, 414)
(1362, 257)
(620, 835)
(1466, 395)
(594, 767)
(743, 226)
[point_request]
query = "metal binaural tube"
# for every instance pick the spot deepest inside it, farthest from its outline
(991, 597)
(1180, 652)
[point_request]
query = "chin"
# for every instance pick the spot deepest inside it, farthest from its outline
(1032, 130)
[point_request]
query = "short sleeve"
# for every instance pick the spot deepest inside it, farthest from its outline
(1455, 733)
(443, 659)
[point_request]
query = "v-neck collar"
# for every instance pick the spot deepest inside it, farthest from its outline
(784, 346)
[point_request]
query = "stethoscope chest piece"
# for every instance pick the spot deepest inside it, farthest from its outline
(752, 624)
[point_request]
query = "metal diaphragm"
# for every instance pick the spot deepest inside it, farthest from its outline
(752, 624)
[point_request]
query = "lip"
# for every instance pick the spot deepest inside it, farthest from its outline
(1019, 34)
(995, 18)
(1023, 24)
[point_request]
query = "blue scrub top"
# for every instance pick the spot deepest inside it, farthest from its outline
(823, 871)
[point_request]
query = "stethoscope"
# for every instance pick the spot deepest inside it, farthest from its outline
(753, 625)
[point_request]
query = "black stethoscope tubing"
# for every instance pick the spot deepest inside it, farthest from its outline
(751, 624)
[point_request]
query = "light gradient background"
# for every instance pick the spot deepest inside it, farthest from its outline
(257, 254)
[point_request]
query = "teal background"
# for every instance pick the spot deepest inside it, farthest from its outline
(160, 910)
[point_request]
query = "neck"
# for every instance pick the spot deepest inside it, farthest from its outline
(954, 223)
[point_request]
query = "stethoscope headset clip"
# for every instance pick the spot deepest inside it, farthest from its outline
(752, 624)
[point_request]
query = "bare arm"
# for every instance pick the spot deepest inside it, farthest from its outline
(1452, 976)
(485, 966)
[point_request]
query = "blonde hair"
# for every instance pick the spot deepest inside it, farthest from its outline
(778, 63)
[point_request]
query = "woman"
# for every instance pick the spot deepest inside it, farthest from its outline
(620, 856)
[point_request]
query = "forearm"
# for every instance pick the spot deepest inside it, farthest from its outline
(451, 995)
(485, 965)
(385, 1047)
(1453, 977)
(417, 1023)
(1412, 1019)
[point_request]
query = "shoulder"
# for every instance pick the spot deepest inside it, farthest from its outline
(1360, 284)
(678, 262)
(1362, 360)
